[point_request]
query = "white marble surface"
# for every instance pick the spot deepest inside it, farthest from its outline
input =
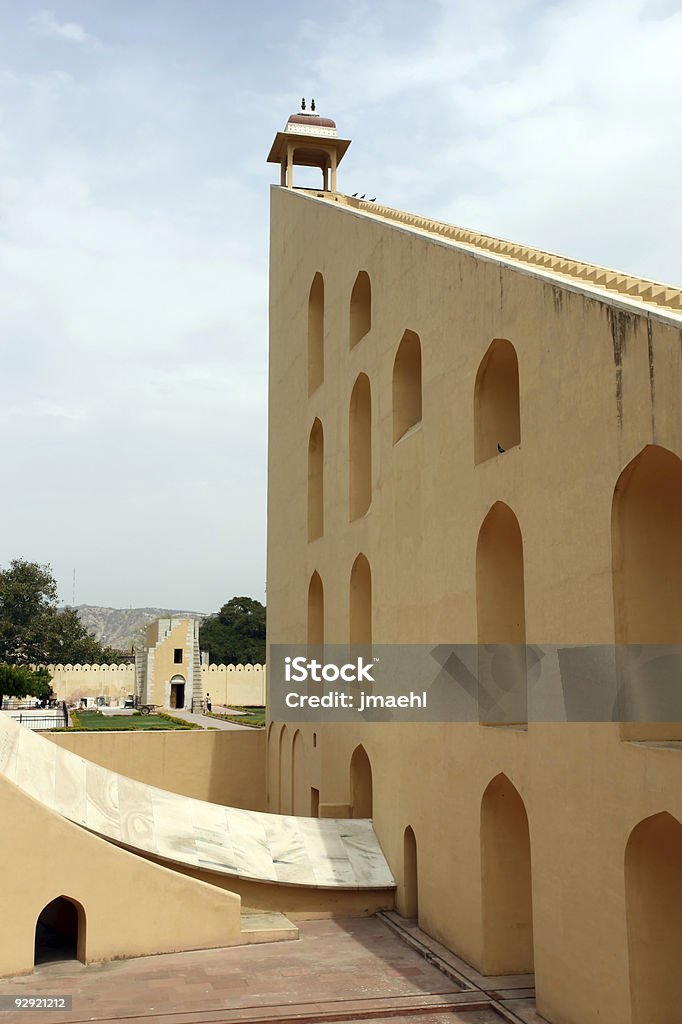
(328, 853)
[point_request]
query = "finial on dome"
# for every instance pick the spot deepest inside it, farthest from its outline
(312, 105)
(303, 103)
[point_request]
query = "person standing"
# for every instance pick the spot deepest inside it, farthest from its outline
(208, 702)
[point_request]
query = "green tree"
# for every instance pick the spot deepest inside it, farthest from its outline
(20, 681)
(236, 634)
(33, 630)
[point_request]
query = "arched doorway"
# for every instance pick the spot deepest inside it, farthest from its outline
(410, 897)
(653, 897)
(360, 784)
(506, 881)
(60, 932)
(177, 692)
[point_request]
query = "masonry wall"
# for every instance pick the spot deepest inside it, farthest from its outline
(228, 684)
(598, 382)
(129, 906)
(221, 767)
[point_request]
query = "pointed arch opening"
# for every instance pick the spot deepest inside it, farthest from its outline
(647, 588)
(501, 619)
(497, 415)
(407, 385)
(360, 448)
(283, 771)
(315, 610)
(316, 334)
(653, 897)
(361, 602)
(316, 481)
(299, 789)
(410, 894)
(361, 796)
(360, 308)
(506, 880)
(60, 931)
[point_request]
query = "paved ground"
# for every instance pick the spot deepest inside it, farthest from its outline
(209, 723)
(337, 971)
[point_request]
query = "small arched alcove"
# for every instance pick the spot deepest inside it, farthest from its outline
(497, 418)
(407, 385)
(316, 333)
(409, 902)
(653, 897)
(360, 602)
(315, 610)
(501, 618)
(360, 308)
(360, 448)
(647, 589)
(506, 880)
(316, 481)
(60, 931)
(361, 799)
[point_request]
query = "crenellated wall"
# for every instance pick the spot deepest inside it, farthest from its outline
(227, 684)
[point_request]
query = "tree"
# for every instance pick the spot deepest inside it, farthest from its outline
(236, 634)
(19, 681)
(33, 630)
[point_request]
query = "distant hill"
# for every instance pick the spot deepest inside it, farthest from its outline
(119, 627)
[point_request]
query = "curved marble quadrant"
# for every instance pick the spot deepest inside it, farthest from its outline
(329, 853)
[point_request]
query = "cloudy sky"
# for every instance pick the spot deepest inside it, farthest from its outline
(134, 231)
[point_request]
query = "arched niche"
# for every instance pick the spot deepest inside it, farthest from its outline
(316, 333)
(653, 898)
(315, 610)
(361, 797)
(360, 448)
(360, 601)
(360, 308)
(646, 542)
(407, 385)
(315, 481)
(497, 418)
(501, 619)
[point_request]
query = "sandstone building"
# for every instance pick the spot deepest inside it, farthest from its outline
(404, 355)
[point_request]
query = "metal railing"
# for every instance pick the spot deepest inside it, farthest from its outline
(57, 719)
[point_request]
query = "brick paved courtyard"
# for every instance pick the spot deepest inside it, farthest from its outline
(337, 971)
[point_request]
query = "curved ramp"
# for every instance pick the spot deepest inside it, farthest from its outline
(326, 853)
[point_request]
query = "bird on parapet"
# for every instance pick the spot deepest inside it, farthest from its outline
(354, 196)
(373, 200)
(363, 195)
(500, 448)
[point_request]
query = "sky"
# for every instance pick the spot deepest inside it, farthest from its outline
(134, 232)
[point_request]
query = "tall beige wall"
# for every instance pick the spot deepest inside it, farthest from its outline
(141, 908)
(597, 383)
(221, 767)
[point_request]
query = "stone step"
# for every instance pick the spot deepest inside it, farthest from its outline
(266, 926)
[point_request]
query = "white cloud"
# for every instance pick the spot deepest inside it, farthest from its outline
(46, 24)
